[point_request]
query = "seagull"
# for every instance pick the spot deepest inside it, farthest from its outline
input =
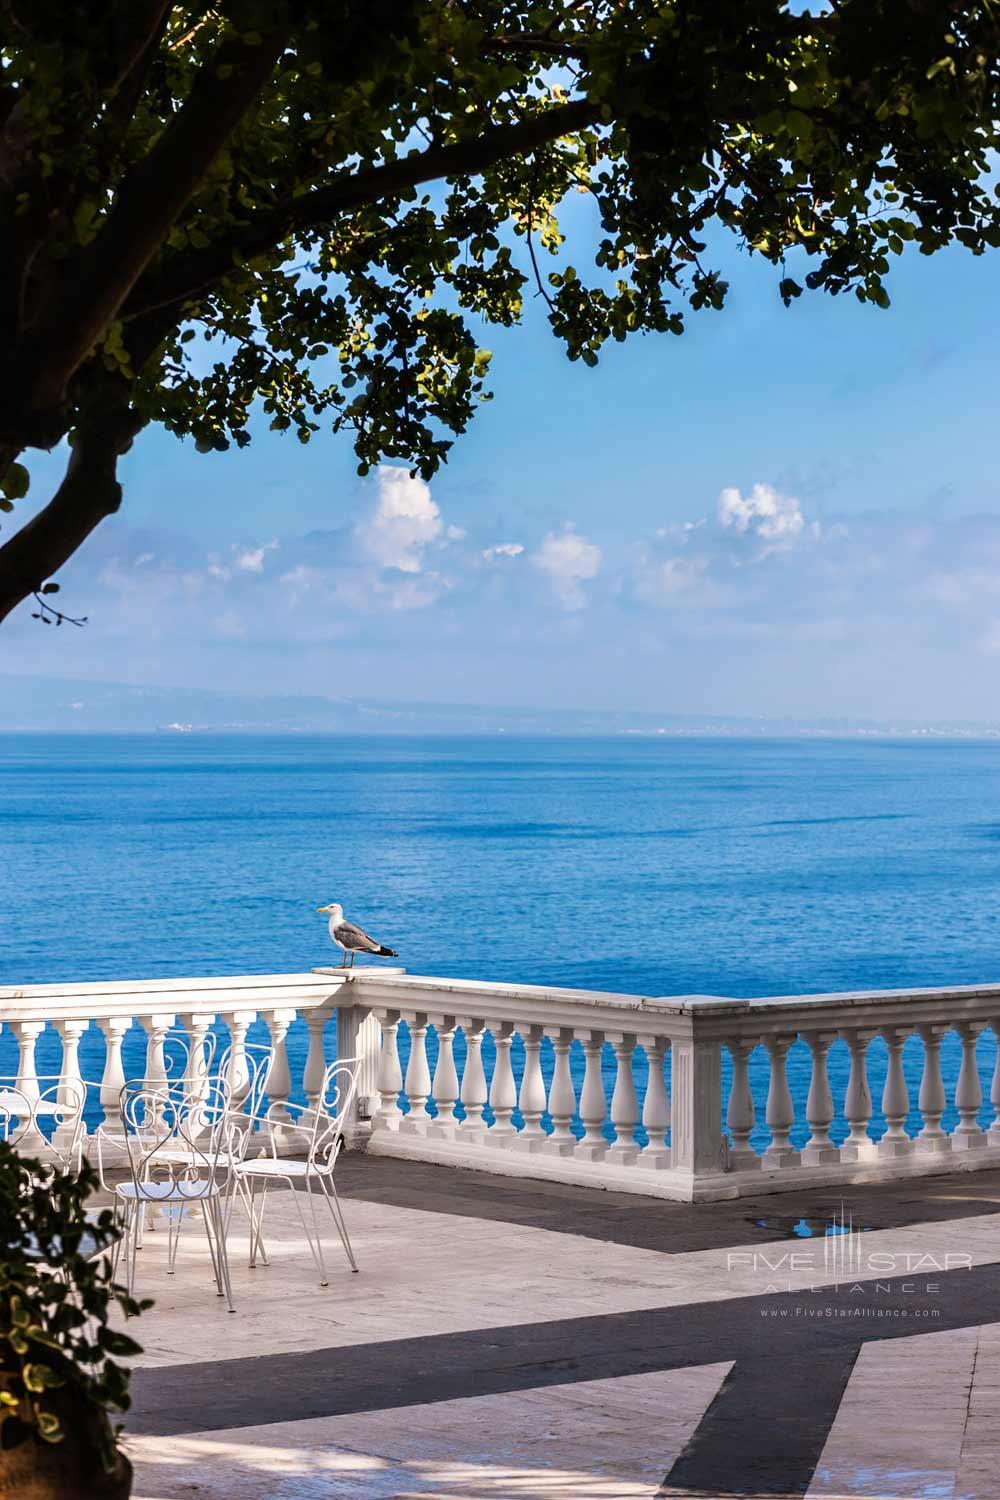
(352, 939)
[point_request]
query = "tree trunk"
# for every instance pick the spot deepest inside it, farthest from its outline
(89, 492)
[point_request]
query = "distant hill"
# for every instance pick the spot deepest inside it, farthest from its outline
(70, 705)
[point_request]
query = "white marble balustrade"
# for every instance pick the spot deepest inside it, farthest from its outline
(687, 1097)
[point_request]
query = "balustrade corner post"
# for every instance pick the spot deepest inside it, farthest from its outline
(278, 1083)
(503, 1090)
(72, 1091)
(819, 1149)
(531, 1099)
(895, 1097)
(740, 1113)
(27, 1033)
(859, 1146)
(780, 1113)
(360, 1035)
(473, 1093)
(994, 1130)
(968, 1134)
(932, 1100)
(593, 1103)
(562, 1096)
(390, 1074)
(697, 1148)
(417, 1084)
(655, 1105)
(444, 1089)
(624, 1102)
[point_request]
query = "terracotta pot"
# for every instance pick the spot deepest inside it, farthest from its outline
(72, 1469)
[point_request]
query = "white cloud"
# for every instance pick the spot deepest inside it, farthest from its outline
(251, 559)
(502, 549)
(773, 518)
(569, 561)
(455, 533)
(403, 521)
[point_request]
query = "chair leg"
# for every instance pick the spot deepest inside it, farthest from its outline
(257, 1222)
(337, 1214)
(324, 1281)
(212, 1248)
(212, 1205)
(174, 1238)
(315, 1247)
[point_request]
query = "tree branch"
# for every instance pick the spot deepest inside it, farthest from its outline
(193, 275)
(149, 201)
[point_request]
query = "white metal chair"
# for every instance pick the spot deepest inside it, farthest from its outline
(175, 1169)
(49, 1111)
(318, 1133)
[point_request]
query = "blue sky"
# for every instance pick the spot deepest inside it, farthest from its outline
(782, 512)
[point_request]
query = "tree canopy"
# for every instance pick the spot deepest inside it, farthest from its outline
(310, 207)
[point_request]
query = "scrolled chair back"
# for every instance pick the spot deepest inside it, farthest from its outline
(192, 1155)
(60, 1106)
(17, 1117)
(340, 1082)
(244, 1074)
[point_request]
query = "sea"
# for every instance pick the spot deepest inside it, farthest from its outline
(643, 865)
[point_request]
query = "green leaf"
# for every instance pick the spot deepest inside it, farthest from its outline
(15, 482)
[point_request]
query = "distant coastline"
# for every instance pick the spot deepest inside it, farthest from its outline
(73, 706)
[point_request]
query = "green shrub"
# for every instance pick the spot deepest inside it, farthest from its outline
(58, 1348)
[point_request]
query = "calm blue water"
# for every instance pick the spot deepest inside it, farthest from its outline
(656, 866)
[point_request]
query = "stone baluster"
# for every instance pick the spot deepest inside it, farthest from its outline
(196, 1084)
(780, 1114)
(968, 1135)
(278, 1084)
(932, 1099)
(655, 1105)
(562, 1096)
(444, 1126)
(473, 1092)
(819, 1106)
(624, 1103)
(72, 1093)
(531, 1099)
(27, 1033)
(994, 1132)
(740, 1113)
(390, 1075)
(895, 1096)
(593, 1103)
(859, 1146)
(113, 1077)
(503, 1091)
(418, 1076)
(315, 1068)
(154, 1077)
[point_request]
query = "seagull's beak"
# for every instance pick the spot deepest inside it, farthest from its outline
(322, 908)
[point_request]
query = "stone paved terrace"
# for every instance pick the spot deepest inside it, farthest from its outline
(539, 1341)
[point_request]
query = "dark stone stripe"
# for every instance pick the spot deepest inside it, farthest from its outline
(650, 1223)
(765, 1431)
(405, 1372)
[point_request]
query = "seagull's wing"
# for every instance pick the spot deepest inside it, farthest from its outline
(355, 937)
